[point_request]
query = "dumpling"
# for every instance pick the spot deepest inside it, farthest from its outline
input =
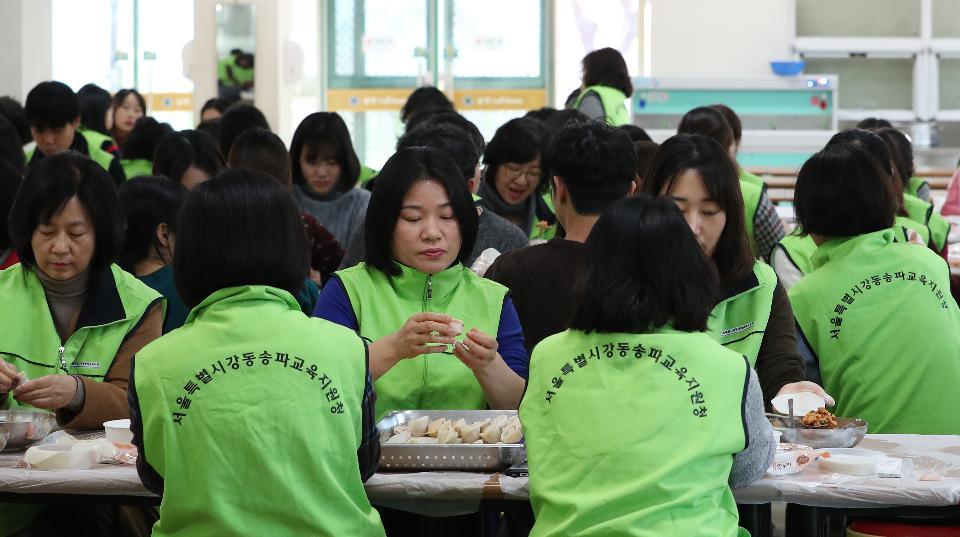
(401, 429)
(401, 438)
(435, 425)
(418, 427)
(492, 434)
(470, 433)
(497, 422)
(459, 424)
(511, 435)
(447, 435)
(422, 440)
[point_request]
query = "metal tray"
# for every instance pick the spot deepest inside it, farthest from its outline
(463, 457)
(23, 428)
(849, 432)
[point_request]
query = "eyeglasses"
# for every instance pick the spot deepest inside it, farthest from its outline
(515, 171)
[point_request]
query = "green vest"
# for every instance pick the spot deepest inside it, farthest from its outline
(633, 434)
(382, 304)
(880, 319)
(740, 321)
(136, 167)
(97, 139)
(751, 202)
(747, 177)
(251, 414)
(801, 248)
(798, 249)
(94, 148)
(366, 174)
(614, 109)
(914, 185)
(30, 341)
(922, 212)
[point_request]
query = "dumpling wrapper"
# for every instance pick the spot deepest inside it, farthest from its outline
(418, 427)
(470, 433)
(491, 435)
(435, 425)
(497, 422)
(803, 402)
(456, 326)
(399, 438)
(447, 435)
(511, 435)
(422, 440)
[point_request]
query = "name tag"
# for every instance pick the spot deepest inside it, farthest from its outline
(86, 365)
(736, 329)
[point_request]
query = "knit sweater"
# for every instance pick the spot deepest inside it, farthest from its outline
(341, 213)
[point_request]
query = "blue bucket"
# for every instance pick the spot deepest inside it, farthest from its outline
(791, 68)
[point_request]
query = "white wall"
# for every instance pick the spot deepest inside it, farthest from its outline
(694, 38)
(25, 45)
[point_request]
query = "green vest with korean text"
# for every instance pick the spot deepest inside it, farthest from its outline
(613, 101)
(136, 167)
(382, 304)
(633, 434)
(878, 315)
(801, 248)
(251, 414)
(922, 212)
(751, 202)
(29, 339)
(739, 322)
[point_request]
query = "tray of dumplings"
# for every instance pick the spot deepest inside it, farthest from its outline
(465, 440)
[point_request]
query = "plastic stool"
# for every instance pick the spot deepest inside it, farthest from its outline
(881, 529)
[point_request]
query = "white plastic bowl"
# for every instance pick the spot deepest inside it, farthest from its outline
(118, 431)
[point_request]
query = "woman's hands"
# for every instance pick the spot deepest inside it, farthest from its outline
(50, 392)
(421, 334)
(477, 350)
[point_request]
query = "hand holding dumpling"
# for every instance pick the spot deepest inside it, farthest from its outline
(477, 349)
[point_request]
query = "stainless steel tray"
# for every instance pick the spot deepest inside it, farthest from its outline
(463, 457)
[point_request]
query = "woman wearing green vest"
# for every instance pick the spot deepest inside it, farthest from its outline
(636, 421)
(411, 291)
(251, 401)
(606, 87)
(515, 177)
(918, 210)
(762, 224)
(876, 315)
(141, 146)
(752, 315)
(72, 321)
(791, 258)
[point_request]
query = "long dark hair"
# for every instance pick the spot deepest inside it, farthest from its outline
(147, 202)
(95, 102)
(646, 270)
(712, 163)
(402, 170)
(325, 133)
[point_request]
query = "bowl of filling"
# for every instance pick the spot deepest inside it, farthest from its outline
(820, 429)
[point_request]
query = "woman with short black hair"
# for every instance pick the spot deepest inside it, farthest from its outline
(872, 294)
(246, 346)
(515, 177)
(606, 86)
(752, 315)
(150, 205)
(635, 360)
(413, 297)
(188, 157)
(325, 174)
(141, 146)
(422, 102)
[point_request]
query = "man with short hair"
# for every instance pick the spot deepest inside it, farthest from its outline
(53, 111)
(455, 139)
(592, 166)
